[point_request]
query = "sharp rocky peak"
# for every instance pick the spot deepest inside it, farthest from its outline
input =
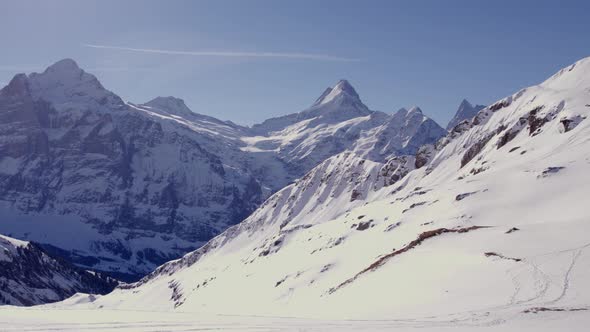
(465, 111)
(465, 103)
(404, 112)
(342, 88)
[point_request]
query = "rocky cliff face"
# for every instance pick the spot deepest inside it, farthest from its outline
(149, 188)
(29, 276)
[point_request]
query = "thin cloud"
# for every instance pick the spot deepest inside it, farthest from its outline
(30, 69)
(303, 56)
(119, 69)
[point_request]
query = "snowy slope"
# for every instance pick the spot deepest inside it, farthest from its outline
(16, 319)
(141, 184)
(29, 276)
(466, 111)
(491, 227)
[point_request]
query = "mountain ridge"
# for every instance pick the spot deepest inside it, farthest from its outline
(31, 276)
(481, 203)
(146, 183)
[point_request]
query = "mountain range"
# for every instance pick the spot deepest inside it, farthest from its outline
(486, 225)
(121, 187)
(336, 212)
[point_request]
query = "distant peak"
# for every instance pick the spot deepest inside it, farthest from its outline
(65, 65)
(169, 100)
(342, 88)
(65, 84)
(17, 86)
(64, 71)
(404, 112)
(465, 111)
(415, 109)
(171, 105)
(465, 102)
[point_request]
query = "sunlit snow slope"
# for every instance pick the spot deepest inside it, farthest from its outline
(492, 225)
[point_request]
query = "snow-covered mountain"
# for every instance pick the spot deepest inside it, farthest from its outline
(29, 276)
(487, 225)
(466, 111)
(113, 186)
(339, 121)
(123, 187)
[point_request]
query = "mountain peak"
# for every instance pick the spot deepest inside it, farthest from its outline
(465, 111)
(170, 105)
(17, 86)
(342, 88)
(66, 85)
(415, 109)
(345, 86)
(65, 65)
(404, 112)
(64, 72)
(465, 103)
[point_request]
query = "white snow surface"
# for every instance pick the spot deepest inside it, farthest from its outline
(14, 319)
(497, 241)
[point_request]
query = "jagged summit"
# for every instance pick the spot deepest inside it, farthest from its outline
(59, 73)
(66, 86)
(65, 71)
(465, 111)
(338, 103)
(404, 112)
(342, 89)
(345, 86)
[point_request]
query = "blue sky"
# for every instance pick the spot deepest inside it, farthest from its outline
(396, 53)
